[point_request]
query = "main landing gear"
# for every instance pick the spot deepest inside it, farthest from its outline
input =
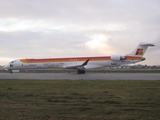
(81, 71)
(10, 71)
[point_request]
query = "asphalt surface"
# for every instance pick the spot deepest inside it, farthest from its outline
(87, 76)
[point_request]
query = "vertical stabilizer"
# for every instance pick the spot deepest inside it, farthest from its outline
(141, 49)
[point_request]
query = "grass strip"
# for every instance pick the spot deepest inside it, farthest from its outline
(79, 100)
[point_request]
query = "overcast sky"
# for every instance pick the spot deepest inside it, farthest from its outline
(67, 28)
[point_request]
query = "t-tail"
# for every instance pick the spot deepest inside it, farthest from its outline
(141, 49)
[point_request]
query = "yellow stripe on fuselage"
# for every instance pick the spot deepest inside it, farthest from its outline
(75, 59)
(133, 58)
(64, 60)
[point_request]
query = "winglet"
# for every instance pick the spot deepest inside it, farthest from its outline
(86, 62)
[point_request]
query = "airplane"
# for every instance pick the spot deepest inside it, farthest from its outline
(81, 64)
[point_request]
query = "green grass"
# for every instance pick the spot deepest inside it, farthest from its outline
(79, 100)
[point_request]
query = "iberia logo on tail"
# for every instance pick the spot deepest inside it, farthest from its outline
(139, 51)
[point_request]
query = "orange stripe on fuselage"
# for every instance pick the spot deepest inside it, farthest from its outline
(64, 59)
(133, 58)
(75, 59)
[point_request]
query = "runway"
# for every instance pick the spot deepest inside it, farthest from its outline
(87, 76)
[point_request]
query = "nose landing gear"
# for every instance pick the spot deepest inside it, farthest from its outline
(81, 71)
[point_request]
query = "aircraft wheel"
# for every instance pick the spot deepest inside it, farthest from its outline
(79, 72)
(83, 72)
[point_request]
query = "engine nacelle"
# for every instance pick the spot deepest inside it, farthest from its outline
(117, 57)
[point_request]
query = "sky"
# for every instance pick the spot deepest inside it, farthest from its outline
(76, 28)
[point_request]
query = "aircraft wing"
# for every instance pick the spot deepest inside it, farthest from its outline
(79, 67)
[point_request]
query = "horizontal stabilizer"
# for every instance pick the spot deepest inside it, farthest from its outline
(146, 44)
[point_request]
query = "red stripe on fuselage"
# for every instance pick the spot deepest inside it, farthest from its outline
(75, 59)
(133, 57)
(65, 59)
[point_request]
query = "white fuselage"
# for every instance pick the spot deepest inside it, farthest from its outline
(69, 63)
(81, 63)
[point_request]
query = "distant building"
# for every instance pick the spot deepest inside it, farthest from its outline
(124, 67)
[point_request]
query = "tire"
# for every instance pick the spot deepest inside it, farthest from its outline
(79, 72)
(83, 72)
